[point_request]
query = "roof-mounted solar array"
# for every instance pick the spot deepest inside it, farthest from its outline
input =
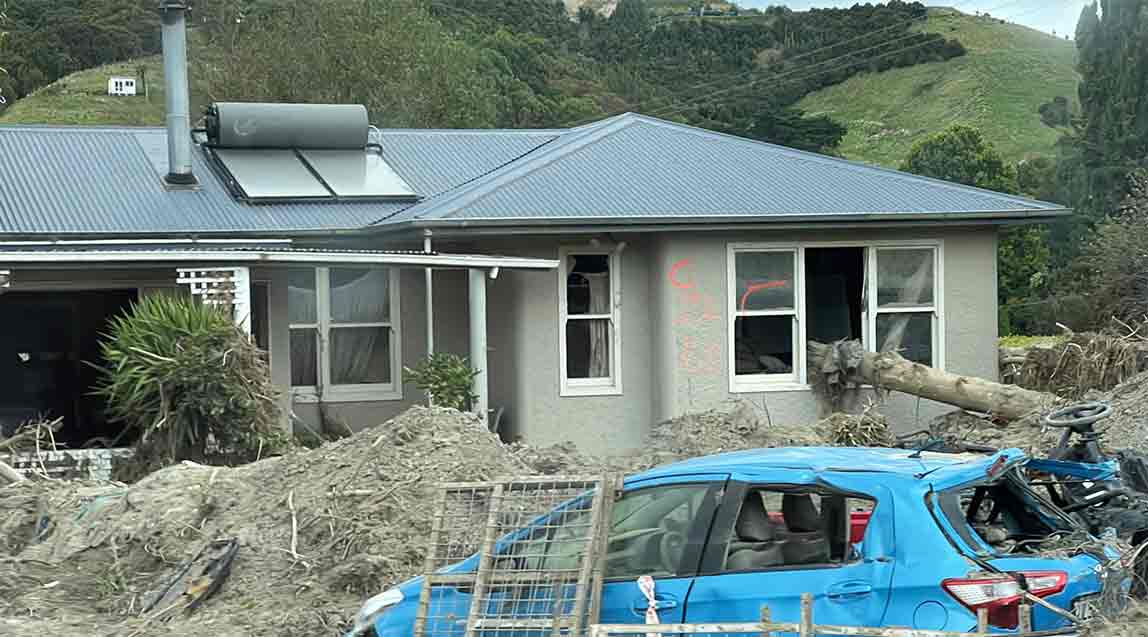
(276, 152)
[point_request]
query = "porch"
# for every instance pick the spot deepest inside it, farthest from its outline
(331, 319)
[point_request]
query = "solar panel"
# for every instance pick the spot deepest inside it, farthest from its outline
(358, 173)
(271, 174)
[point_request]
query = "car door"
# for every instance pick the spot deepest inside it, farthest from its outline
(658, 528)
(849, 578)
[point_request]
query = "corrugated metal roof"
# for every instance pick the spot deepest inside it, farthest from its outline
(635, 168)
(74, 180)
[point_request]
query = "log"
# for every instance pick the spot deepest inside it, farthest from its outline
(891, 371)
(10, 474)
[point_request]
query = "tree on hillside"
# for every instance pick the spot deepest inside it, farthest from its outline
(1111, 140)
(962, 155)
(393, 56)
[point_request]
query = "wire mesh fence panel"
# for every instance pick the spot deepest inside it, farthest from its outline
(531, 549)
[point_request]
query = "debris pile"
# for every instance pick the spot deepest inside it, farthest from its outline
(1077, 363)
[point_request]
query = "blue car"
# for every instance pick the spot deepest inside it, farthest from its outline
(880, 537)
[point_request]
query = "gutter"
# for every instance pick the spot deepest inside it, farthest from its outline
(575, 225)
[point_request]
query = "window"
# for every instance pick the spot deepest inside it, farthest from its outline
(344, 343)
(886, 295)
(648, 532)
(765, 314)
(794, 527)
(905, 308)
(589, 323)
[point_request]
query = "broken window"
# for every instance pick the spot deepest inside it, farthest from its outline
(765, 313)
(589, 321)
(1006, 515)
(342, 334)
(781, 298)
(787, 527)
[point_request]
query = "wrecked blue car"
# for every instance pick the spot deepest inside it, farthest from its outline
(880, 537)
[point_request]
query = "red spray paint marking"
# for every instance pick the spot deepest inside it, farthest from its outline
(673, 275)
(757, 287)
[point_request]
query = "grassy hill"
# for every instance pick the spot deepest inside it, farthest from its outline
(1009, 71)
(82, 98)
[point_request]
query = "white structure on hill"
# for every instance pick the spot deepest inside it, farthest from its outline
(121, 86)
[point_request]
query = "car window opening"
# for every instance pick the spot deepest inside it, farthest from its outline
(778, 528)
(1006, 515)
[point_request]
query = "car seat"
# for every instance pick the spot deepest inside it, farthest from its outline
(805, 543)
(755, 545)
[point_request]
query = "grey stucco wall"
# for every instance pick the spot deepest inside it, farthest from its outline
(674, 333)
(692, 322)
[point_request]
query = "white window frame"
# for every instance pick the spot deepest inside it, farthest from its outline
(611, 386)
(798, 380)
(360, 392)
(766, 382)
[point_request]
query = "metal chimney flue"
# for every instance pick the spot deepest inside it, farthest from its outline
(174, 16)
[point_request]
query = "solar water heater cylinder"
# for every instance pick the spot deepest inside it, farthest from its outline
(174, 16)
(300, 126)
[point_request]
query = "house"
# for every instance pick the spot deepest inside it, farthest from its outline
(121, 86)
(600, 278)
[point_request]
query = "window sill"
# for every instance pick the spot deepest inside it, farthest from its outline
(574, 391)
(762, 388)
(364, 395)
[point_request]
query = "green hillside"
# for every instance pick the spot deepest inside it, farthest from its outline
(82, 98)
(998, 86)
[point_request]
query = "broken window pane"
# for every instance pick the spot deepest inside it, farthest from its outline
(360, 355)
(588, 284)
(764, 280)
(905, 277)
(909, 334)
(588, 348)
(301, 296)
(763, 345)
(360, 295)
(304, 358)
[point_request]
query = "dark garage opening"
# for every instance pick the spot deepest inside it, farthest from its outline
(49, 340)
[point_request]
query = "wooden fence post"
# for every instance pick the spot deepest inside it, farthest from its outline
(806, 627)
(983, 621)
(1025, 618)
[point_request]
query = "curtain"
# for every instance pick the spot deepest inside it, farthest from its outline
(359, 296)
(600, 302)
(912, 293)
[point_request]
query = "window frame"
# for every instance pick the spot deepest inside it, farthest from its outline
(764, 382)
(325, 391)
(799, 379)
(612, 386)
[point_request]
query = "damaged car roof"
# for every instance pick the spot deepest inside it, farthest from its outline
(900, 462)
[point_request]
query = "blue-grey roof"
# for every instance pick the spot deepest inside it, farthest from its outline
(622, 170)
(633, 168)
(75, 180)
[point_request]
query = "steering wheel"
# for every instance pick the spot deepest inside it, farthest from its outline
(1078, 416)
(670, 545)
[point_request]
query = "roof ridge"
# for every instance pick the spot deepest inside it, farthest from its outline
(573, 141)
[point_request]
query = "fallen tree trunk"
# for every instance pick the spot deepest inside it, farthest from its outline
(846, 363)
(10, 474)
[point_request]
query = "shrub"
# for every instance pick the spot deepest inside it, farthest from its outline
(446, 378)
(190, 382)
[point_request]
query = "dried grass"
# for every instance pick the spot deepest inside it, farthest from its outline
(1080, 362)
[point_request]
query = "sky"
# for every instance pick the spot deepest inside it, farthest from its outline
(1045, 15)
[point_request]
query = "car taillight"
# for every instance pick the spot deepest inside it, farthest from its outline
(1001, 594)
